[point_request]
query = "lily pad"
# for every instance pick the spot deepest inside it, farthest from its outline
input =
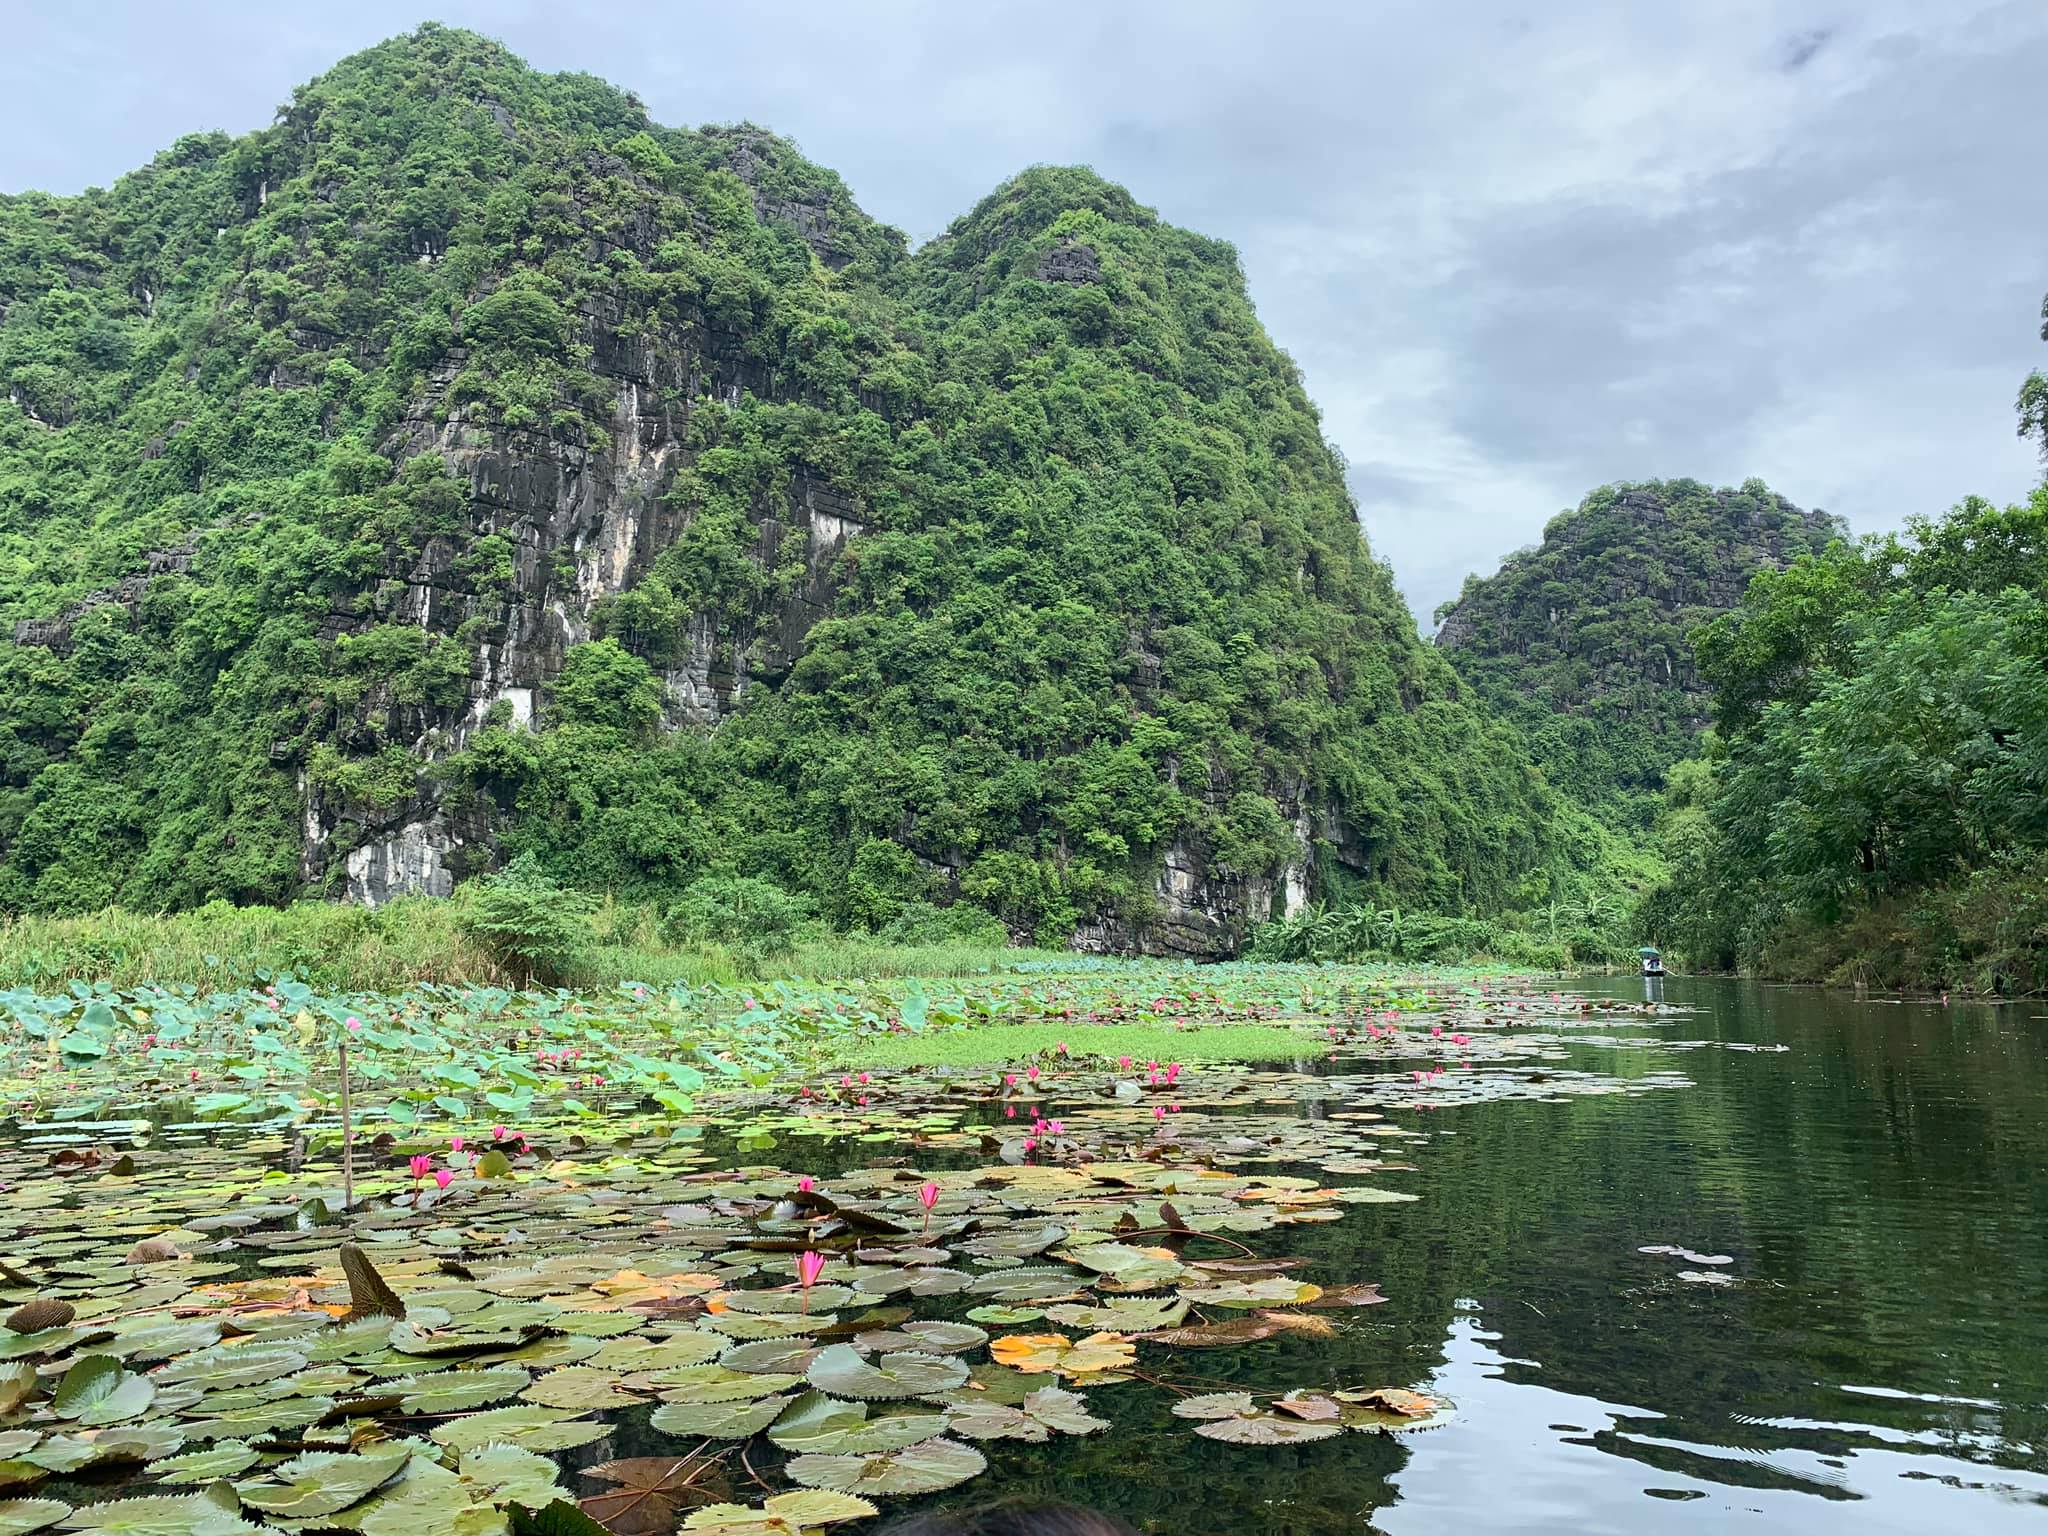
(324, 1482)
(1092, 1356)
(786, 1514)
(1234, 1417)
(526, 1425)
(840, 1371)
(18, 1517)
(827, 1426)
(192, 1514)
(923, 1468)
(718, 1421)
(1043, 1412)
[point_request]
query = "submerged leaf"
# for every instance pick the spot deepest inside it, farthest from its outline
(648, 1493)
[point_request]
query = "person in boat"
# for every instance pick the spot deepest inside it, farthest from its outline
(1653, 963)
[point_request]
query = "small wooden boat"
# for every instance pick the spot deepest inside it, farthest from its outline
(1653, 963)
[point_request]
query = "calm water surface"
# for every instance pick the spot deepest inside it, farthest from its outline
(1878, 1362)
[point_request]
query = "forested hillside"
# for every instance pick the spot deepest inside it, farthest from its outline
(466, 466)
(1584, 641)
(1875, 808)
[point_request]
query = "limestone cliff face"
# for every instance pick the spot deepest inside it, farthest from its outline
(1015, 570)
(585, 524)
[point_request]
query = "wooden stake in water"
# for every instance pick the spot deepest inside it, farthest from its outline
(348, 1140)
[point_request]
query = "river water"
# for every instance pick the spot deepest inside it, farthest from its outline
(1873, 1358)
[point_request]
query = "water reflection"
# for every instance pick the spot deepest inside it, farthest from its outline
(1526, 1457)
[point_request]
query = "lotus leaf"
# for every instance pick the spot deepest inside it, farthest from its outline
(673, 1352)
(49, 1341)
(456, 1391)
(230, 1458)
(716, 1384)
(1392, 1410)
(1034, 1353)
(324, 1482)
(191, 1514)
(785, 1514)
(816, 1423)
(757, 1325)
(20, 1516)
(770, 1355)
(1128, 1268)
(1035, 1419)
(934, 1337)
(18, 1383)
(1241, 1330)
(581, 1387)
(923, 1468)
(1236, 1418)
(527, 1425)
(231, 1365)
(822, 1297)
(1275, 1291)
(840, 1371)
(718, 1421)
(1005, 1317)
(97, 1391)
(1038, 1283)
(1124, 1314)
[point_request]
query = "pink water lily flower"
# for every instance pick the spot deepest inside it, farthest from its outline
(806, 1184)
(1124, 1062)
(928, 1194)
(421, 1165)
(1009, 1079)
(1031, 1073)
(809, 1265)
(353, 1025)
(1030, 1144)
(443, 1178)
(1158, 1111)
(454, 1143)
(1009, 1111)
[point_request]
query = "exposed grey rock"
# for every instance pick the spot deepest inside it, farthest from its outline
(1070, 261)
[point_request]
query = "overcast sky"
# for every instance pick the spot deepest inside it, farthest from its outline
(1519, 250)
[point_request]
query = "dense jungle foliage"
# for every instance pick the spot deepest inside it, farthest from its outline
(1583, 641)
(1107, 593)
(1875, 806)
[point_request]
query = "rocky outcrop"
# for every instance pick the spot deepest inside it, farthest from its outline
(55, 633)
(1070, 261)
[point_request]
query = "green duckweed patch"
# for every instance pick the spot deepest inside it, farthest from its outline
(991, 1045)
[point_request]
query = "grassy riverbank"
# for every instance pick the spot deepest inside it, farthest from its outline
(352, 949)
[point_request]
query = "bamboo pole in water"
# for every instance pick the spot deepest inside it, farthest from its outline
(348, 1139)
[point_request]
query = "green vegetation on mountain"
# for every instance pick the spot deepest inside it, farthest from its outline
(1876, 807)
(466, 467)
(1583, 640)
